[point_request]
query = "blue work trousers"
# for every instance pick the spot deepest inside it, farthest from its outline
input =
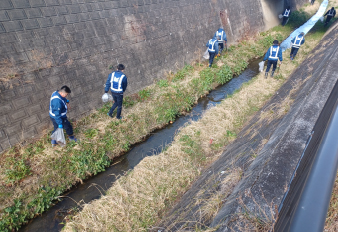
(211, 57)
(285, 20)
(293, 52)
(118, 99)
(268, 66)
(65, 124)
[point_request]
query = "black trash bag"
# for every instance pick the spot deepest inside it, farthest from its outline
(59, 136)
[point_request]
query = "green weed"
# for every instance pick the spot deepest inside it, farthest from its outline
(144, 94)
(170, 114)
(297, 18)
(91, 133)
(187, 69)
(16, 170)
(231, 134)
(266, 41)
(224, 75)
(128, 102)
(279, 77)
(162, 83)
(105, 108)
(192, 148)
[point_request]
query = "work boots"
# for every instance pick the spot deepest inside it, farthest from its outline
(272, 73)
(72, 138)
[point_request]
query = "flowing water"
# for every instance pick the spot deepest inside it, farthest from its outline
(95, 186)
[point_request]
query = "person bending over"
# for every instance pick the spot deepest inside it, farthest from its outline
(58, 107)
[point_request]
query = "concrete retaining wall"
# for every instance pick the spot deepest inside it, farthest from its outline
(45, 44)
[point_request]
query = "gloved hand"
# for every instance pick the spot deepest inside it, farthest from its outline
(60, 126)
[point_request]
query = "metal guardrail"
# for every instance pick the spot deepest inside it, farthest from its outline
(305, 205)
(310, 213)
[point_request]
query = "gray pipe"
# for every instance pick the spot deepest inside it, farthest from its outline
(310, 213)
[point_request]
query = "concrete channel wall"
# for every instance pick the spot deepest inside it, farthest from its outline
(45, 44)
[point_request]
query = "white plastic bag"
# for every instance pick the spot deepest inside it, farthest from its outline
(107, 97)
(59, 136)
(280, 16)
(206, 55)
(322, 19)
(261, 66)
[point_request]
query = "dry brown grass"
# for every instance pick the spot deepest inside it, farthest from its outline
(259, 219)
(7, 72)
(331, 223)
(40, 60)
(138, 199)
(212, 205)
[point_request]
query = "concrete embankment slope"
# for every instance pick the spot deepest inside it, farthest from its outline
(267, 151)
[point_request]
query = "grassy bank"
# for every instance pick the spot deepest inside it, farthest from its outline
(140, 199)
(32, 177)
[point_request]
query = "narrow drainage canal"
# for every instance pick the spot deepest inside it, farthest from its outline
(94, 187)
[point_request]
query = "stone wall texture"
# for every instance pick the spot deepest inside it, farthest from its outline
(45, 44)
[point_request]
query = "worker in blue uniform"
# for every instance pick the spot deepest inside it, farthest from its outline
(117, 83)
(295, 44)
(222, 38)
(58, 107)
(329, 15)
(272, 55)
(212, 49)
(286, 16)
